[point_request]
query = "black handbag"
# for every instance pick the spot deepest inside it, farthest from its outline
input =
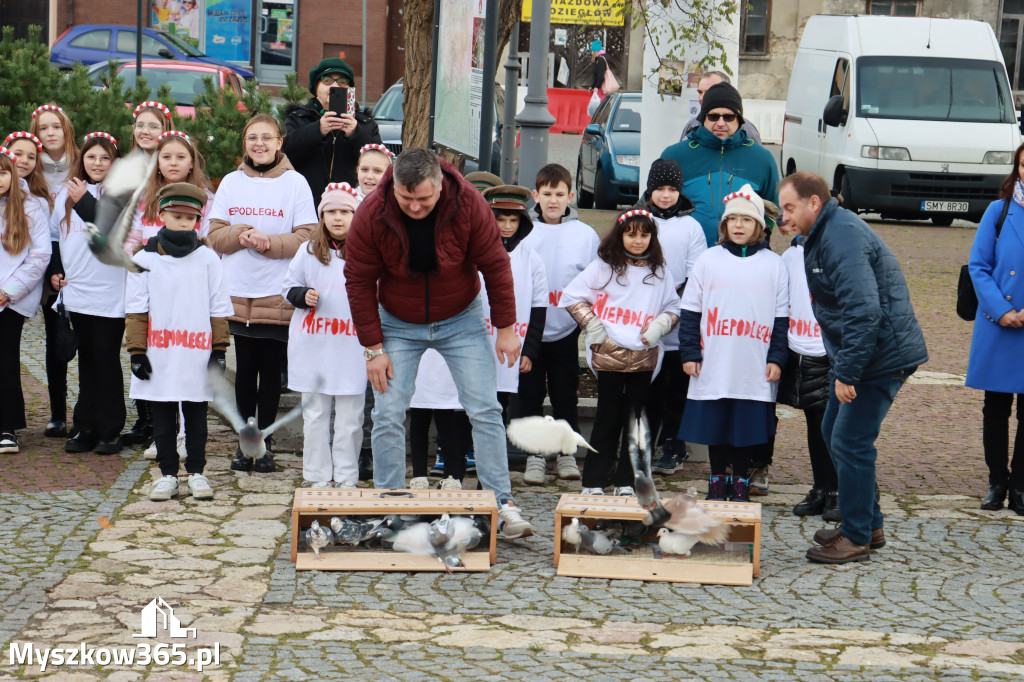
(67, 337)
(966, 297)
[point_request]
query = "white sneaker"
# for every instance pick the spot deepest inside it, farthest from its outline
(165, 488)
(511, 524)
(199, 486)
(567, 468)
(419, 483)
(320, 484)
(593, 491)
(535, 467)
(625, 491)
(181, 446)
(450, 483)
(348, 485)
(150, 452)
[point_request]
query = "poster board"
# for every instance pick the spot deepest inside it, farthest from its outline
(584, 12)
(183, 18)
(459, 84)
(228, 29)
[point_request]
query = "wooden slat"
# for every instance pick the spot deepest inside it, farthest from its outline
(658, 570)
(385, 561)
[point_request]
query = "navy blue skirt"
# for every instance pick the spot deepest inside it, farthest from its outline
(728, 421)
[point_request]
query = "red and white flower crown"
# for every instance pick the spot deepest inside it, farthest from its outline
(23, 135)
(9, 154)
(635, 212)
(737, 195)
(47, 107)
(175, 133)
(343, 186)
(154, 105)
(100, 133)
(374, 146)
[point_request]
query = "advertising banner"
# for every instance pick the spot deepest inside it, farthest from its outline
(228, 26)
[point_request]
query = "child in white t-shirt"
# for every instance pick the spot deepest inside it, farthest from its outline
(325, 360)
(732, 342)
(177, 331)
(626, 301)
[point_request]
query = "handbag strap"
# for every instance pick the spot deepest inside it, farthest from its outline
(1002, 216)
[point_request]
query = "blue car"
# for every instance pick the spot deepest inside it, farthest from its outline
(608, 170)
(91, 43)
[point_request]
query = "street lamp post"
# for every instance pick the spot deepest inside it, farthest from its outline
(536, 120)
(508, 126)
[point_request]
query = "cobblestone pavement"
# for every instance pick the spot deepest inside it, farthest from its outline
(79, 559)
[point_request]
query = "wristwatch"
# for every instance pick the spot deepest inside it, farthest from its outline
(371, 354)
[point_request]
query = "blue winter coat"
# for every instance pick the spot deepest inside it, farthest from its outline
(860, 299)
(997, 270)
(713, 168)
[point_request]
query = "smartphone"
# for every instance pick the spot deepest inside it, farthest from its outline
(338, 100)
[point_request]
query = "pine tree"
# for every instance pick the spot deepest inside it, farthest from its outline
(292, 94)
(27, 79)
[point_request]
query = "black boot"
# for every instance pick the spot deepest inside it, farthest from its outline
(1016, 501)
(812, 505)
(995, 497)
(265, 464)
(241, 462)
(56, 429)
(142, 432)
(831, 509)
(366, 464)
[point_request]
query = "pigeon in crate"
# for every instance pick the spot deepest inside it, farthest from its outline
(318, 537)
(571, 534)
(352, 531)
(596, 542)
(251, 439)
(675, 543)
(689, 519)
(122, 191)
(544, 435)
(445, 539)
(640, 451)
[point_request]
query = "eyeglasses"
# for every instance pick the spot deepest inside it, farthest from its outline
(328, 80)
(728, 118)
(265, 139)
(148, 126)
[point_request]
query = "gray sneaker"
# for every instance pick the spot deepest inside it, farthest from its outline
(567, 468)
(199, 486)
(535, 468)
(758, 480)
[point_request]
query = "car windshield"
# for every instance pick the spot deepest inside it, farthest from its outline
(933, 89)
(389, 108)
(182, 45)
(627, 117)
(185, 85)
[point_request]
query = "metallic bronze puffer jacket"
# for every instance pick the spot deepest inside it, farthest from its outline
(610, 357)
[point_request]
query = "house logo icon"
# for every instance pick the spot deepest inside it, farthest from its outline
(157, 616)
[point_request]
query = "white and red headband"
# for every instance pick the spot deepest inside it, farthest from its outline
(152, 104)
(23, 135)
(632, 214)
(174, 133)
(338, 195)
(377, 147)
(47, 107)
(9, 154)
(737, 195)
(99, 133)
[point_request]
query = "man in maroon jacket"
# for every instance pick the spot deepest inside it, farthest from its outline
(414, 250)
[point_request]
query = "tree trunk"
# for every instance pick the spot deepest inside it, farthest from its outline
(419, 35)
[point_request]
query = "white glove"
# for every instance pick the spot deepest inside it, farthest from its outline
(658, 327)
(596, 335)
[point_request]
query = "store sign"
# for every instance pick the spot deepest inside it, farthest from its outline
(228, 26)
(585, 12)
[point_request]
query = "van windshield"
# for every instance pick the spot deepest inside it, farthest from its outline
(933, 89)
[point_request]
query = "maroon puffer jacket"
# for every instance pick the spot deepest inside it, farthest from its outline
(466, 240)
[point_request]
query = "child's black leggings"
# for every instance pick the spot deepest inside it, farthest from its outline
(259, 363)
(723, 456)
(165, 435)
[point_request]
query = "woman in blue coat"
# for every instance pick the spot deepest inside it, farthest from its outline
(997, 345)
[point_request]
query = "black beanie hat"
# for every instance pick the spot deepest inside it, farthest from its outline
(664, 172)
(332, 65)
(721, 95)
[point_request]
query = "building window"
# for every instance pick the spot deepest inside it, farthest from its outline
(754, 26)
(1010, 40)
(894, 8)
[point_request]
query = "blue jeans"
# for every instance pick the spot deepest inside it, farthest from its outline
(466, 347)
(850, 431)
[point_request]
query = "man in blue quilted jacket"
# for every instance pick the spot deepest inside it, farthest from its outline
(861, 300)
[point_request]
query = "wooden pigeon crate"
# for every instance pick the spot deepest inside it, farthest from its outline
(321, 504)
(744, 517)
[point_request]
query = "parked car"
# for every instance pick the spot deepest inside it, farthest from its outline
(185, 79)
(92, 43)
(389, 116)
(608, 167)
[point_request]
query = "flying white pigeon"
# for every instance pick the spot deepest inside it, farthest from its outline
(446, 539)
(122, 191)
(544, 435)
(688, 518)
(250, 437)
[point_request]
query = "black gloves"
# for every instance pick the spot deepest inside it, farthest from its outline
(141, 367)
(217, 361)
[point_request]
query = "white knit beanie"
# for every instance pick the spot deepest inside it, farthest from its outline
(744, 202)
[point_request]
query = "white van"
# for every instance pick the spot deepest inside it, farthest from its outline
(908, 117)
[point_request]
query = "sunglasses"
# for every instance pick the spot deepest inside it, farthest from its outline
(714, 118)
(340, 80)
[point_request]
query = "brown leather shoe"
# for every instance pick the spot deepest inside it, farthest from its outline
(841, 551)
(826, 536)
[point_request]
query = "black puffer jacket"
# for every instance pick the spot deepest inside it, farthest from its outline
(804, 382)
(860, 299)
(323, 159)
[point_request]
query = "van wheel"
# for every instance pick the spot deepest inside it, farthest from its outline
(584, 199)
(942, 220)
(790, 167)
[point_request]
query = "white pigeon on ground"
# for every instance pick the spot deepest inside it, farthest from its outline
(122, 191)
(544, 435)
(318, 537)
(571, 534)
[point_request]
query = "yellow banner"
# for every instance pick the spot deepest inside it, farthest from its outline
(586, 12)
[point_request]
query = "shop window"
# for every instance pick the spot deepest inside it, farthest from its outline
(895, 8)
(754, 23)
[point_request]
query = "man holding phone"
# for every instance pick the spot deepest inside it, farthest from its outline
(324, 135)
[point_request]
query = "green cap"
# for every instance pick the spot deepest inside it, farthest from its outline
(331, 65)
(507, 197)
(483, 180)
(183, 197)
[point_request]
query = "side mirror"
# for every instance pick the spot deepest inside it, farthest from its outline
(592, 129)
(834, 115)
(165, 53)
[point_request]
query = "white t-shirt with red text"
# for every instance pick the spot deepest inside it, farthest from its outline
(682, 241)
(804, 331)
(324, 355)
(738, 299)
